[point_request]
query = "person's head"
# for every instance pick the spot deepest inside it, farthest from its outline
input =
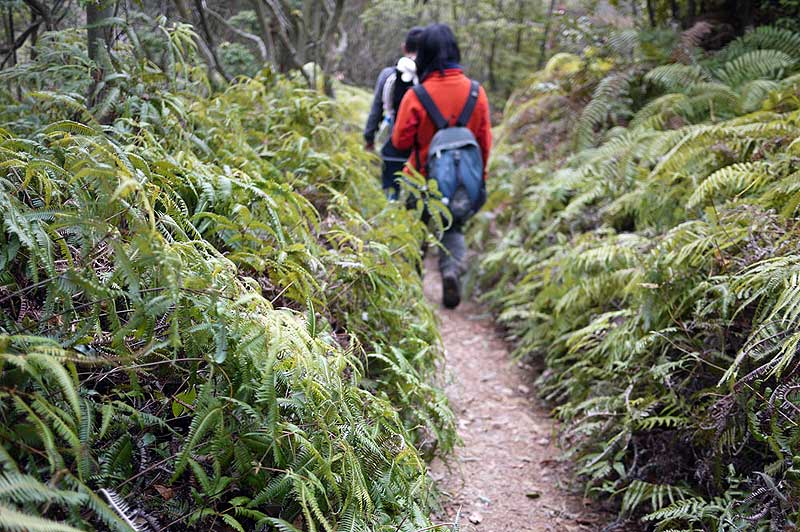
(437, 49)
(411, 44)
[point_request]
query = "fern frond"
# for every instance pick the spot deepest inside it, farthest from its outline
(23, 489)
(13, 520)
(676, 77)
(122, 509)
(757, 64)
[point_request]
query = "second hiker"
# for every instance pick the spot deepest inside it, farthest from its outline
(445, 122)
(391, 86)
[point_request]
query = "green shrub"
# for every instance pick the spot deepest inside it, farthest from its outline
(656, 273)
(209, 315)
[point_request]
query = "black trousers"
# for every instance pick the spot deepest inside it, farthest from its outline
(451, 258)
(389, 179)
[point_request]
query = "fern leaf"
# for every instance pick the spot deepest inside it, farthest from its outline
(122, 509)
(15, 521)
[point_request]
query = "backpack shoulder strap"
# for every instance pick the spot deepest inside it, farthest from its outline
(469, 107)
(430, 107)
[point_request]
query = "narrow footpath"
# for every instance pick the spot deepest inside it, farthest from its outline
(506, 477)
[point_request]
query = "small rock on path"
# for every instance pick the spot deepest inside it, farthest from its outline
(506, 477)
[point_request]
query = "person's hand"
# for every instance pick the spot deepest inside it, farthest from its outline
(370, 147)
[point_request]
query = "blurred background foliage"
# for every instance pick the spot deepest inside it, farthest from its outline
(503, 41)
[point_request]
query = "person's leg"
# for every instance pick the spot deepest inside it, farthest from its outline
(451, 259)
(451, 264)
(425, 218)
(389, 178)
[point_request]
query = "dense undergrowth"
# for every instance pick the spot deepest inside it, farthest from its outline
(644, 242)
(210, 318)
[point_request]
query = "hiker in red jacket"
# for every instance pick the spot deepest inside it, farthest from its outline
(448, 90)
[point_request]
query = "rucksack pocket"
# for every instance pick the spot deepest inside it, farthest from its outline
(458, 173)
(460, 205)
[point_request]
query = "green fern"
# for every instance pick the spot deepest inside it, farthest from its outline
(189, 295)
(15, 521)
(655, 275)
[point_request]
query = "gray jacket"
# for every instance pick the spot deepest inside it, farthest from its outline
(376, 111)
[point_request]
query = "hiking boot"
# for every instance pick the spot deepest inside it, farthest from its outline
(451, 290)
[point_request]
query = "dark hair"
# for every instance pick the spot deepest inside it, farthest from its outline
(411, 43)
(437, 49)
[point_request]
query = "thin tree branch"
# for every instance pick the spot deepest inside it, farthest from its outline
(199, 4)
(334, 22)
(20, 41)
(262, 47)
(43, 12)
(266, 31)
(283, 23)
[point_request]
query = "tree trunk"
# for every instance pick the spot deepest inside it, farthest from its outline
(209, 37)
(651, 14)
(289, 30)
(493, 51)
(205, 51)
(183, 11)
(266, 29)
(98, 37)
(490, 61)
(318, 48)
(34, 37)
(744, 9)
(547, 23)
(11, 40)
(521, 27)
(676, 12)
(306, 35)
(330, 58)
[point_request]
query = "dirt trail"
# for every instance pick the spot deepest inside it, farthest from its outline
(506, 476)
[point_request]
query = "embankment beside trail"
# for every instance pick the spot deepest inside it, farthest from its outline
(210, 317)
(641, 240)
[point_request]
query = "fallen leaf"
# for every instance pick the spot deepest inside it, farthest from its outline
(165, 492)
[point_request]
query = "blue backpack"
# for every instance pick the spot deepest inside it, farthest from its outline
(454, 158)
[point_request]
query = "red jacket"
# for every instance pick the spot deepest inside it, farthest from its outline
(414, 129)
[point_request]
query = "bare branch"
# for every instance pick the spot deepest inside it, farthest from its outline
(42, 11)
(20, 41)
(283, 24)
(335, 19)
(262, 47)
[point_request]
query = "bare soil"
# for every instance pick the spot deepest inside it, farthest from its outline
(507, 475)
